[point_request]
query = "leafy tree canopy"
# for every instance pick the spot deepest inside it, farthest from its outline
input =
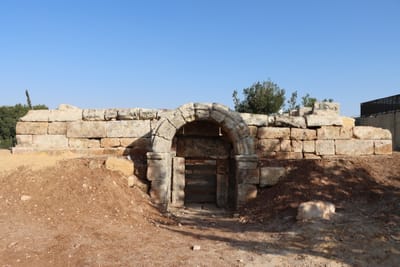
(262, 98)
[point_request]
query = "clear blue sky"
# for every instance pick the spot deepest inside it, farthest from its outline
(162, 54)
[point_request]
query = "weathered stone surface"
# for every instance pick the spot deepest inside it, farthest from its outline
(73, 114)
(49, 141)
(32, 127)
(93, 114)
(273, 133)
(135, 128)
(383, 147)
(159, 192)
(269, 145)
(315, 210)
(297, 146)
(160, 144)
(202, 111)
(290, 121)
(326, 120)
(248, 176)
(110, 142)
(217, 116)
(86, 129)
(334, 132)
(311, 156)
(128, 114)
(308, 146)
(348, 122)
(165, 129)
(246, 192)
(137, 143)
(371, 133)
(325, 147)
(286, 146)
(111, 114)
(271, 175)
(147, 114)
(255, 119)
(302, 111)
(24, 140)
(57, 128)
(287, 155)
(303, 134)
(83, 143)
(122, 165)
(36, 115)
(253, 131)
(326, 108)
(67, 107)
(354, 147)
(187, 111)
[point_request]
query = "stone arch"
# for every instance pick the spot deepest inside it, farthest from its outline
(231, 121)
(159, 161)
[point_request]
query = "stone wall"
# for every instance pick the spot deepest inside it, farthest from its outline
(389, 120)
(314, 133)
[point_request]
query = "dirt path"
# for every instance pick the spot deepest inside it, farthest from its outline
(74, 212)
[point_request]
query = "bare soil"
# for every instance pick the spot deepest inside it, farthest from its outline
(64, 210)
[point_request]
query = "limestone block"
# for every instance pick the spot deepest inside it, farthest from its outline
(311, 156)
(176, 120)
(160, 144)
(354, 147)
(371, 133)
(268, 145)
(271, 175)
(246, 164)
(302, 111)
(187, 111)
(242, 129)
(246, 192)
(303, 134)
(111, 114)
(326, 108)
(326, 120)
(24, 140)
(248, 176)
(325, 147)
(93, 114)
(217, 116)
(128, 114)
(57, 128)
(290, 121)
(165, 129)
(159, 191)
(273, 133)
(83, 143)
(67, 107)
(121, 165)
(315, 210)
(86, 129)
(135, 128)
(253, 131)
(73, 114)
(297, 146)
(147, 114)
(334, 132)
(309, 146)
(286, 146)
(255, 119)
(288, 155)
(202, 111)
(383, 147)
(110, 142)
(49, 141)
(348, 122)
(36, 115)
(31, 127)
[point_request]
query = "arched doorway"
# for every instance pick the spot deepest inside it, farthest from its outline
(163, 163)
(202, 169)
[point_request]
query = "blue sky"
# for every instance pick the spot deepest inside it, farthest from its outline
(162, 54)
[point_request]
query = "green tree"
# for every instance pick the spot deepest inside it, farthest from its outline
(292, 102)
(262, 98)
(308, 101)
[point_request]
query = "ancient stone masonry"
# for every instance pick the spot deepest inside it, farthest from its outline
(173, 149)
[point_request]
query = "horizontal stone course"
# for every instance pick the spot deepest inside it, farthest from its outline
(31, 127)
(354, 147)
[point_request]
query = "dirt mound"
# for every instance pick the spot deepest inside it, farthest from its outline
(340, 181)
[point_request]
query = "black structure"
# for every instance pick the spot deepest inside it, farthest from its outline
(381, 105)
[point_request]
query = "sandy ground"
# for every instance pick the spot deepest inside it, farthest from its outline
(68, 211)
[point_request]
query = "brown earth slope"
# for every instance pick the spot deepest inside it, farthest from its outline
(69, 211)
